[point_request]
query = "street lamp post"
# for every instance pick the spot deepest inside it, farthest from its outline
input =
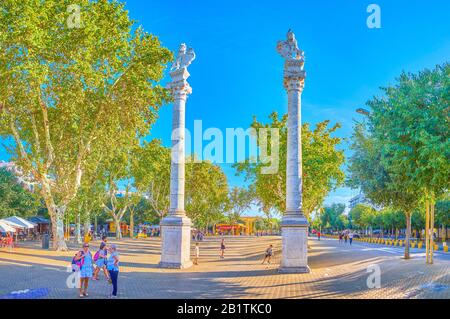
(363, 111)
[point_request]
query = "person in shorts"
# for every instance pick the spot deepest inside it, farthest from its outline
(268, 255)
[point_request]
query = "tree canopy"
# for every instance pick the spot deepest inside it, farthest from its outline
(322, 163)
(70, 91)
(400, 156)
(15, 200)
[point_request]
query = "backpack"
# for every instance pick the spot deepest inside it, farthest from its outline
(97, 254)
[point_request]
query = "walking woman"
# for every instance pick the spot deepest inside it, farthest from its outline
(100, 261)
(84, 259)
(113, 268)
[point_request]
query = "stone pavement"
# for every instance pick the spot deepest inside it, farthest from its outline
(338, 271)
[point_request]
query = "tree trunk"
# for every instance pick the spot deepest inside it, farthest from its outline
(78, 229)
(118, 230)
(131, 224)
(57, 218)
(87, 224)
(408, 234)
(95, 224)
(445, 236)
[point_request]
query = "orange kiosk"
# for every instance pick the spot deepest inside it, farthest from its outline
(123, 227)
(230, 229)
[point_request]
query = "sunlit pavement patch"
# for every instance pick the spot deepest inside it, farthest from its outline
(27, 294)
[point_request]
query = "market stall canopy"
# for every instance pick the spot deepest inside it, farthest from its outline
(39, 220)
(13, 224)
(20, 221)
(5, 228)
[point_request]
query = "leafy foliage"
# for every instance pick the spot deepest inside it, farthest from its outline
(14, 199)
(70, 92)
(321, 166)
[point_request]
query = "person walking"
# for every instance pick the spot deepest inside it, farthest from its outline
(84, 261)
(340, 238)
(222, 249)
(350, 237)
(100, 258)
(113, 268)
(268, 255)
(197, 253)
(345, 237)
(318, 235)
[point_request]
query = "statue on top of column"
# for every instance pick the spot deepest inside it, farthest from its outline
(289, 49)
(184, 58)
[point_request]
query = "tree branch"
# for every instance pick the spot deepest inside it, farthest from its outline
(48, 143)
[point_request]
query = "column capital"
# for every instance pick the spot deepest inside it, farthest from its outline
(179, 86)
(294, 75)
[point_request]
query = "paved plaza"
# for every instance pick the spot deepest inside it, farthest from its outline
(337, 271)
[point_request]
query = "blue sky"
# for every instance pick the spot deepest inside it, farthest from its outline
(238, 73)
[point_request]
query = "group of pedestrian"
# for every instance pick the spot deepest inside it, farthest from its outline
(106, 258)
(198, 235)
(346, 236)
(267, 256)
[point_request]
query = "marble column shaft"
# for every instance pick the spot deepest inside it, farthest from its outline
(294, 89)
(177, 171)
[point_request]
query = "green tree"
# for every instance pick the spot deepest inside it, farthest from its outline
(362, 216)
(68, 90)
(369, 172)
(443, 215)
(118, 201)
(321, 166)
(151, 174)
(330, 216)
(393, 220)
(418, 221)
(206, 193)
(14, 199)
(342, 222)
(407, 148)
(240, 200)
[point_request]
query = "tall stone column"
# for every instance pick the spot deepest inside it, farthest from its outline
(294, 225)
(176, 227)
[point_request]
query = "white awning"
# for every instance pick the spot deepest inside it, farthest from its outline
(20, 221)
(6, 228)
(12, 224)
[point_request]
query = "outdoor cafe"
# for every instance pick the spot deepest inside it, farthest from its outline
(15, 228)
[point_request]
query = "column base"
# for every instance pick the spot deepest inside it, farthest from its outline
(175, 265)
(176, 242)
(294, 253)
(294, 270)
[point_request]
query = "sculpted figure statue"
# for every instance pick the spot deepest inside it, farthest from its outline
(184, 58)
(289, 49)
